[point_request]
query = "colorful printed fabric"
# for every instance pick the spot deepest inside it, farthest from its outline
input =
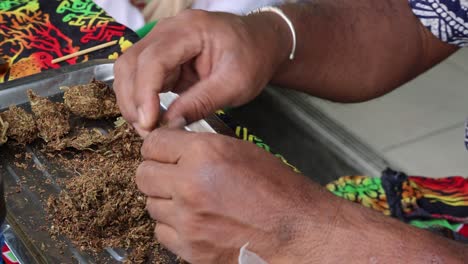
(423, 202)
(8, 256)
(446, 19)
(437, 204)
(33, 32)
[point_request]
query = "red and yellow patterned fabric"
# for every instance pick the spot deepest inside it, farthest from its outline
(34, 32)
(437, 204)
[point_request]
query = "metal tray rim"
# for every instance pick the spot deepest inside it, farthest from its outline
(53, 72)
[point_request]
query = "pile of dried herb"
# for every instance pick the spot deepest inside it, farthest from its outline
(84, 139)
(100, 205)
(21, 125)
(95, 100)
(3, 131)
(52, 119)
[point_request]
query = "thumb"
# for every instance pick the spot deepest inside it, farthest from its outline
(198, 102)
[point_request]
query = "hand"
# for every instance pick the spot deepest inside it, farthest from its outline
(212, 194)
(213, 59)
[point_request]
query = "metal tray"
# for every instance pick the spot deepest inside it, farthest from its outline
(26, 189)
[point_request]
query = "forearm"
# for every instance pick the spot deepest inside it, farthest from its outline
(370, 237)
(386, 240)
(354, 50)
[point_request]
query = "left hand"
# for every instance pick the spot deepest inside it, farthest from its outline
(212, 194)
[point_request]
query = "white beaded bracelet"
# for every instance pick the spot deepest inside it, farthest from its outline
(288, 21)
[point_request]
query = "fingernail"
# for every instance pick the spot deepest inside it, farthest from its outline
(178, 122)
(143, 118)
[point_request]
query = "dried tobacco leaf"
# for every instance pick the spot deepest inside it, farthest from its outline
(52, 119)
(84, 139)
(123, 141)
(3, 131)
(22, 126)
(95, 100)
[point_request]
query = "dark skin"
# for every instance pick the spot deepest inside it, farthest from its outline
(365, 49)
(212, 194)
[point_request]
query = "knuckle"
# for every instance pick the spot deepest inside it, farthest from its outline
(149, 203)
(150, 144)
(191, 225)
(119, 64)
(191, 194)
(195, 195)
(140, 176)
(159, 235)
(143, 175)
(151, 209)
(209, 148)
(122, 65)
(203, 105)
(201, 148)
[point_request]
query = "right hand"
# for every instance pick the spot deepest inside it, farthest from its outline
(213, 60)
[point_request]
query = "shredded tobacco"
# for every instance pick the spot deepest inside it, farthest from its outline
(3, 131)
(52, 119)
(100, 205)
(22, 127)
(84, 139)
(95, 100)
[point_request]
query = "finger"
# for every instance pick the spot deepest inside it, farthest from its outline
(157, 65)
(165, 145)
(155, 179)
(162, 210)
(124, 72)
(168, 237)
(198, 102)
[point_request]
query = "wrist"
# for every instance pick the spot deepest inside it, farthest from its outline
(306, 228)
(273, 36)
